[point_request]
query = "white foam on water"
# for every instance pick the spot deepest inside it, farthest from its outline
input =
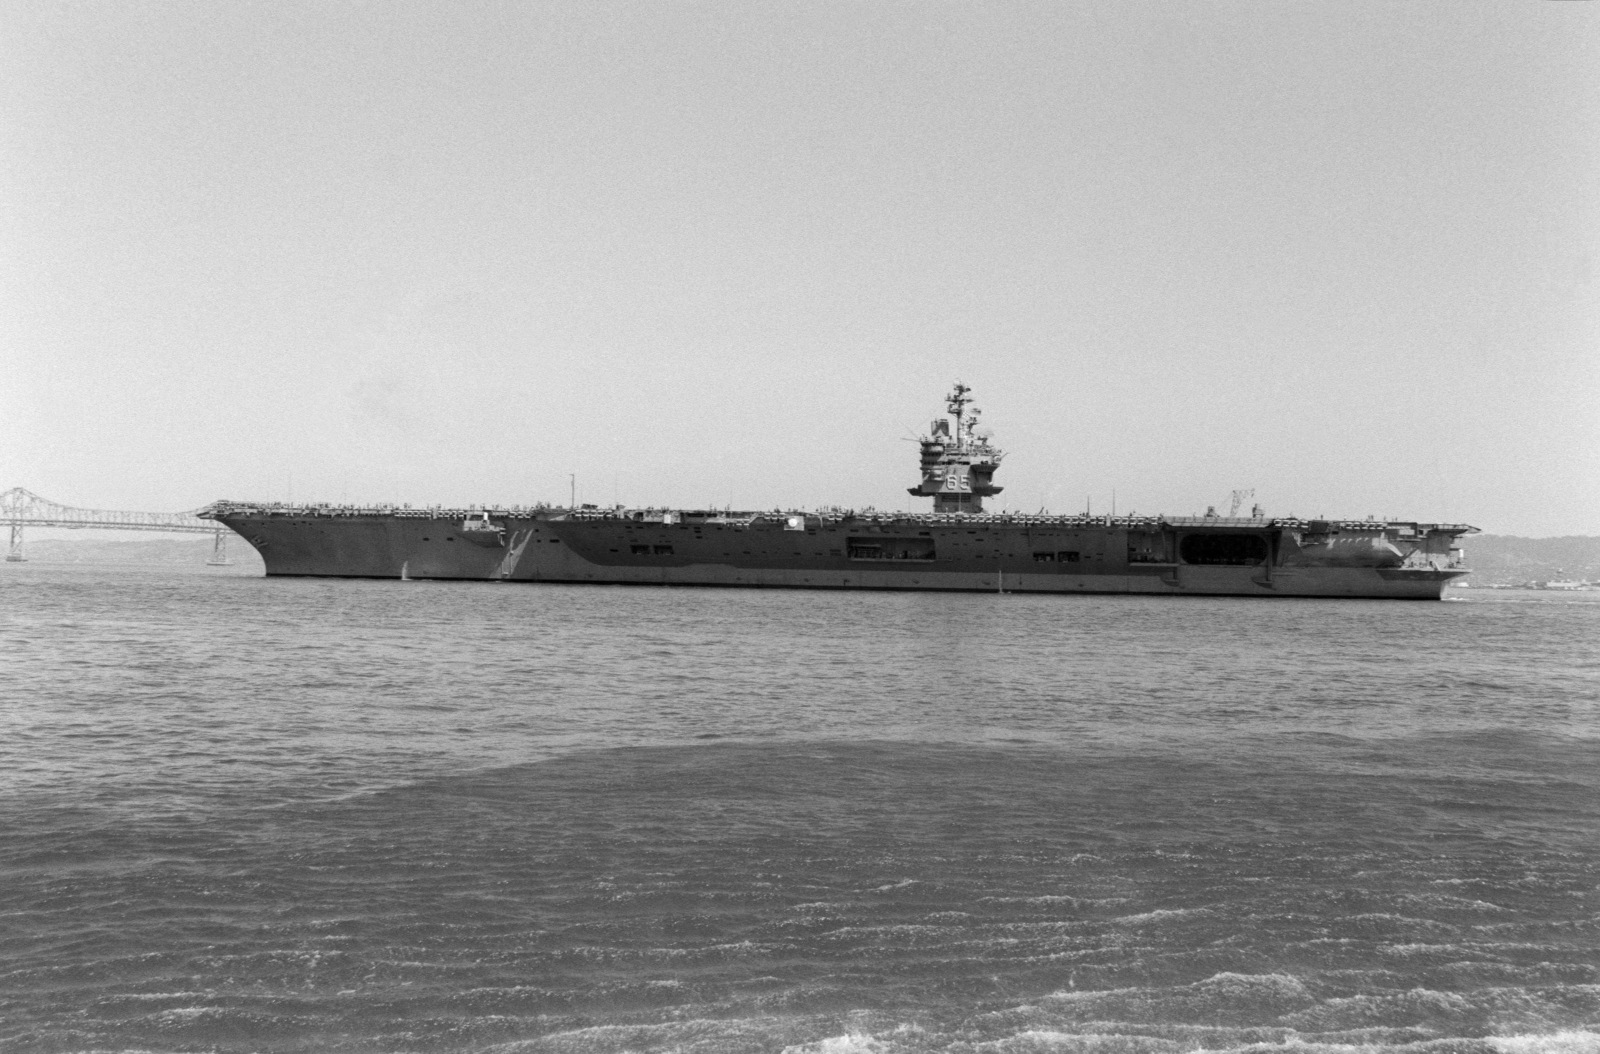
(736, 950)
(675, 1035)
(853, 1043)
(1422, 949)
(1047, 1040)
(1161, 915)
(1554, 1043)
(188, 1013)
(902, 884)
(1409, 920)
(1444, 900)
(1225, 984)
(1043, 925)
(142, 997)
(895, 928)
(501, 990)
(1432, 1009)
(1101, 1042)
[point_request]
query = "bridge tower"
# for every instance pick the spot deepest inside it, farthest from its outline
(14, 554)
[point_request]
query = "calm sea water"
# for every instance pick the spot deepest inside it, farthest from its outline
(240, 814)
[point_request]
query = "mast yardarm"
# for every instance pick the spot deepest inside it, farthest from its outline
(958, 464)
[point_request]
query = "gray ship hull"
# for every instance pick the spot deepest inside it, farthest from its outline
(1200, 556)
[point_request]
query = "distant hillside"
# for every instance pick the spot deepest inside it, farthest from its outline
(1506, 560)
(157, 551)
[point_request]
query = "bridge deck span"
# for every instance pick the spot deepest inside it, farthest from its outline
(21, 508)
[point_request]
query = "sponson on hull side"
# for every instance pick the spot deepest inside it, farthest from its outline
(1044, 554)
(956, 547)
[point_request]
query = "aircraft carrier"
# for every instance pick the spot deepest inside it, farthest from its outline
(956, 546)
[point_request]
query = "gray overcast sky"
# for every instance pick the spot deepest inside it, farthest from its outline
(709, 253)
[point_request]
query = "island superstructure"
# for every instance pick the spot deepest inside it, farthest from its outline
(957, 466)
(956, 546)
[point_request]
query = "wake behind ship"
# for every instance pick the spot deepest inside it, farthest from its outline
(955, 547)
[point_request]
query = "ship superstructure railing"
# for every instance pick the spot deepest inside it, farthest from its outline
(436, 512)
(828, 517)
(1080, 520)
(838, 517)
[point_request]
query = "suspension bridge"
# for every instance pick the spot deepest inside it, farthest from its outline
(21, 508)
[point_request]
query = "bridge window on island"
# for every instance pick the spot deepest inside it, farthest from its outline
(890, 548)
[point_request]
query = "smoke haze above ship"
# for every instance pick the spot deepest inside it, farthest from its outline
(721, 255)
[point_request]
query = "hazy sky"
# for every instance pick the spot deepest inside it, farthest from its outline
(1345, 254)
